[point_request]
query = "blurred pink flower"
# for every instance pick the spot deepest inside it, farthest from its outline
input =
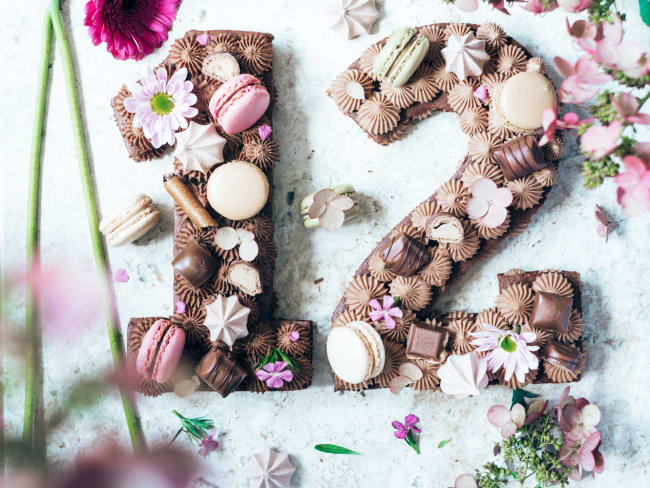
(604, 224)
(537, 7)
(489, 203)
(294, 335)
(130, 29)
(66, 297)
(179, 307)
(613, 52)
(402, 429)
(551, 123)
(600, 140)
(385, 311)
(208, 444)
(576, 87)
(574, 5)
(275, 374)
(466, 5)
(585, 34)
(481, 93)
(627, 107)
(121, 275)
(203, 39)
(633, 191)
(465, 481)
(507, 420)
(642, 149)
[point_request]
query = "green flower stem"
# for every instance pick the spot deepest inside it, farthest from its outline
(32, 329)
(112, 319)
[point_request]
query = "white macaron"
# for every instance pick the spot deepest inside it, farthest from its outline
(355, 352)
(131, 222)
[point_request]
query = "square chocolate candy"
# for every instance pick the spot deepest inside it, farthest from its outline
(551, 312)
(426, 342)
(195, 264)
(220, 372)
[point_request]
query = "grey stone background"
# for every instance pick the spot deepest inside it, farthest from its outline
(318, 146)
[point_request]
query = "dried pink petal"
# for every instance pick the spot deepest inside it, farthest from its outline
(495, 217)
(120, 275)
(498, 415)
(465, 481)
(397, 384)
(341, 202)
(245, 235)
(481, 93)
(410, 371)
(203, 39)
(264, 131)
(332, 219)
(294, 335)
(317, 209)
(325, 195)
(477, 208)
(179, 307)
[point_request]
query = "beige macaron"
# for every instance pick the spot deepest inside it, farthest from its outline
(238, 190)
(520, 101)
(356, 352)
(130, 222)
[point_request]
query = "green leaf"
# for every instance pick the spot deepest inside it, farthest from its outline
(334, 449)
(442, 444)
(519, 395)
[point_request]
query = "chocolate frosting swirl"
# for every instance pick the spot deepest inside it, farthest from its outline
(360, 291)
(536, 65)
(515, 303)
(424, 211)
(493, 35)
(430, 379)
(395, 357)
(546, 176)
(186, 52)
(367, 59)
(542, 336)
(473, 120)
(436, 36)
(461, 97)
(294, 348)
(562, 363)
(457, 29)
(497, 127)
(553, 150)
(223, 43)
(466, 248)
(377, 115)
(437, 272)
(513, 383)
(574, 330)
(492, 317)
(511, 60)
(340, 93)
(555, 283)
(263, 154)
(462, 340)
(444, 80)
(477, 171)
(414, 293)
(348, 316)
(302, 376)
(256, 52)
(401, 330)
(424, 86)
(408, 230)
(378, 269)
(260, 343)
(339, 385)
(481, 147)
(485, 232)
(261, 226)
(526, 192)
(400, 96)
(453, 197)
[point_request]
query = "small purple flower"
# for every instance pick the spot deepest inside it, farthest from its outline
(385, 312)
(121, 276)
(203, 39)
(275, 374)
(264, 131)
(481, 93)
(402, 429)
(294, 335)
(179, 307)
(208, 444)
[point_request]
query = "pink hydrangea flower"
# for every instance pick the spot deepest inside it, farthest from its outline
(507, 420)
(576, 87)
(121, 275)
(633, 191)
(583, 456)
(508, 350)
(385, 311)
(466, 5)
(600, 140)
(329, 208)
(627, 107)
(208, 444)
(489, 203)
(275, 374)
(551, 123)
(161, 106)
(537, 7)
(130, 29)
(574, 5)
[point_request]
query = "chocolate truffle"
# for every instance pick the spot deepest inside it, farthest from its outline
(245, 276)
(551, 312)
(426, 342)
(220, 373)
(195, 264)
(404, 255)
(567, 357)
(520, 157)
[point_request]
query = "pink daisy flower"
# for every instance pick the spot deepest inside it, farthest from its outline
(507, 349)
(131, 29)
(161, 106)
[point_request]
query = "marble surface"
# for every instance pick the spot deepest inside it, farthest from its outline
(318, 145)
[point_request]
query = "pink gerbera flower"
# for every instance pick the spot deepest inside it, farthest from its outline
(161, 106)
(275, 374)
(131, 29)
(508, 350)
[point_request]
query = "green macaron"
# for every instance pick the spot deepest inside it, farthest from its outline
(403, 52)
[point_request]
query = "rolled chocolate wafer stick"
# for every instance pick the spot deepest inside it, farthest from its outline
(182, 195)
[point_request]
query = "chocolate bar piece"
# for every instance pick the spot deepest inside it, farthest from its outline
(196, 223)
(425, 342)
(551, 311)
(404, 255)
(520, 157)
(220, 373)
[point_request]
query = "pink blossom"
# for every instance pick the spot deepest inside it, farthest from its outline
(627, 56)
(642, 149)
(121, 275)
(203, 39)
(294, 335)
(208, 444)
(179, 307)
(264, 131)
(385, 312)
(551, 123)
(627, 107)
(507, 420)
(465, 481)
(66, 298)
(329, 208)
(633, 191)
(576, 87)
(489, 203)
(585, 34)
(402, 429)
(132, 29)
(275, 374)
(466, 5)
(600, 140)
(574, 5)
(481, 93)
(537, 7)
(604, 224)
(508, 350)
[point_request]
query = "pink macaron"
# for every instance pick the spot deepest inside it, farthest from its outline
(239, 103)
(160, 351)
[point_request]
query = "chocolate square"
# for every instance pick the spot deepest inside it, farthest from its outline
(404, 255)
(551, 312)
(195, 263)
(425, 342)
(562, 355)
(220, 373)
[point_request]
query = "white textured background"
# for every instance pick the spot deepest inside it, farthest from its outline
(318, 146)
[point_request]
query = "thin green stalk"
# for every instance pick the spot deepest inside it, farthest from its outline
(32, 328)
(112, 319)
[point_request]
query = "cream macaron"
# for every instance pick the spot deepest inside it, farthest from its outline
(130, 222)
(356, 352)
(238, 190)
(520, 101)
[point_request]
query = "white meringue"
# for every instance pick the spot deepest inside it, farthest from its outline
(270, 469)
(199, 147)
(463, 375)
(352, 17)
(226, 319)
(465, 56)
